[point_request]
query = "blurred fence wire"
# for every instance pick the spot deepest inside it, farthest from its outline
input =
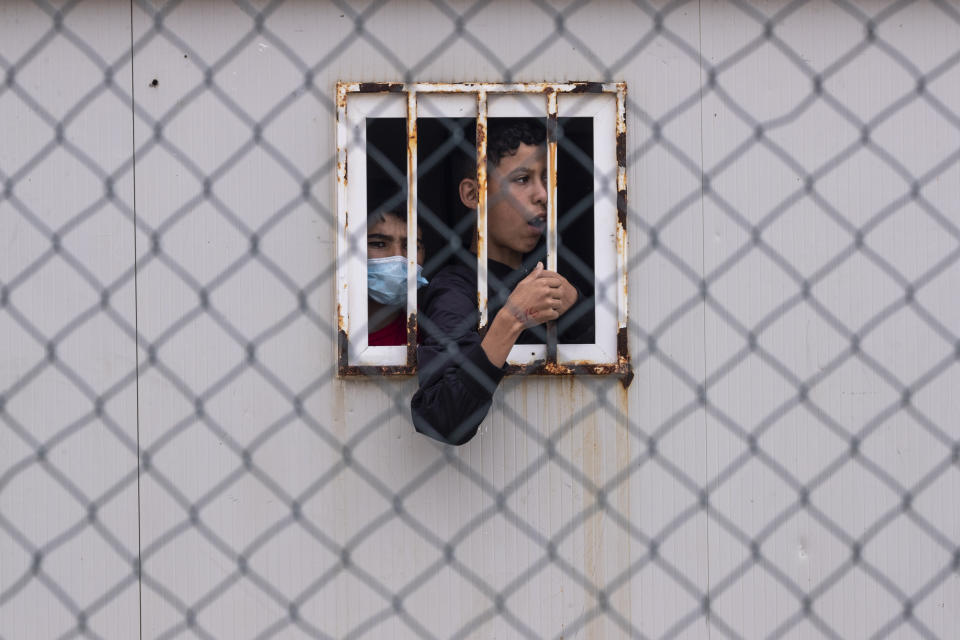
(179, 459)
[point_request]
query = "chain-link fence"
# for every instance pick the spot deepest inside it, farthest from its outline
(179, 458)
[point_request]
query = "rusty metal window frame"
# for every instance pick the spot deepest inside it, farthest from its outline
(604, 102)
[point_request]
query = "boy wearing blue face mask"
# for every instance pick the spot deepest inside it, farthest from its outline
(387, 278)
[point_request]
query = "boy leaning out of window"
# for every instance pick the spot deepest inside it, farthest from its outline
(458, 367)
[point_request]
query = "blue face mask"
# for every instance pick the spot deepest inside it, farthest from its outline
(387, 280)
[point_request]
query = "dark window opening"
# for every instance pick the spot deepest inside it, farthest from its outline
(445, 146)
(575, 221)
(386, 192)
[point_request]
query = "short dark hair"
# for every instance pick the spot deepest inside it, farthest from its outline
(379, 215)
(504, 137)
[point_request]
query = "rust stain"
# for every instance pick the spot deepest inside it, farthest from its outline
(575, 368)
(539, 368)
(480, 239)
(622, 244)
(623, 358)
(376, 370)
(341, 345)
(623, 450)
(554, 368)
(341, 120)
(593, 549)
(552, 127)
(621, 147)
(587, 87)
(342, 340)
(622, 209)
(476, 87)
(412, 213)
(623, 353)
(412, 340)
(411, 156)
(621, 126)
(380, 87)
(621, 151)
(552, 214)
(622, 350)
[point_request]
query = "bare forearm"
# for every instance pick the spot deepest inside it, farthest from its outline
(501, 336)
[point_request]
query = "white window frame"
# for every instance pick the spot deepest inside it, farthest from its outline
(603, 102)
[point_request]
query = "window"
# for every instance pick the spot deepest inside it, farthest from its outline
(398, 147)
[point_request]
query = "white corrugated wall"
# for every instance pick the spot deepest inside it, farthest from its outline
(264, 499)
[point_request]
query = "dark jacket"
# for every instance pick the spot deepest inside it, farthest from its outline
(457, 381)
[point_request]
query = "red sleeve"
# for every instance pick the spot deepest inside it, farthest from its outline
(392, 334)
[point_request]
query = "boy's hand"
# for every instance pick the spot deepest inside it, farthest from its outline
(540, 297)
(568, 294)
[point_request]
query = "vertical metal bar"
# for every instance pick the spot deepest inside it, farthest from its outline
(482, 206)
(343, 236)
(622, 300)
(552, 211)
(411, 228)
(623, 351)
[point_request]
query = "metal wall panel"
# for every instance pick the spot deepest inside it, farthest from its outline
(784, 463)
(68, 438)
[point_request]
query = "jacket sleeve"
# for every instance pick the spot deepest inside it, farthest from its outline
(457, 380)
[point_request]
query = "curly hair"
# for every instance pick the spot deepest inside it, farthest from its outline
(504, 137)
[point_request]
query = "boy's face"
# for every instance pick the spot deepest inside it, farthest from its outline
(517, 204)
(388, 237)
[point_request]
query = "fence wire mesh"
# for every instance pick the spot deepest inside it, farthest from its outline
(179, 458)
